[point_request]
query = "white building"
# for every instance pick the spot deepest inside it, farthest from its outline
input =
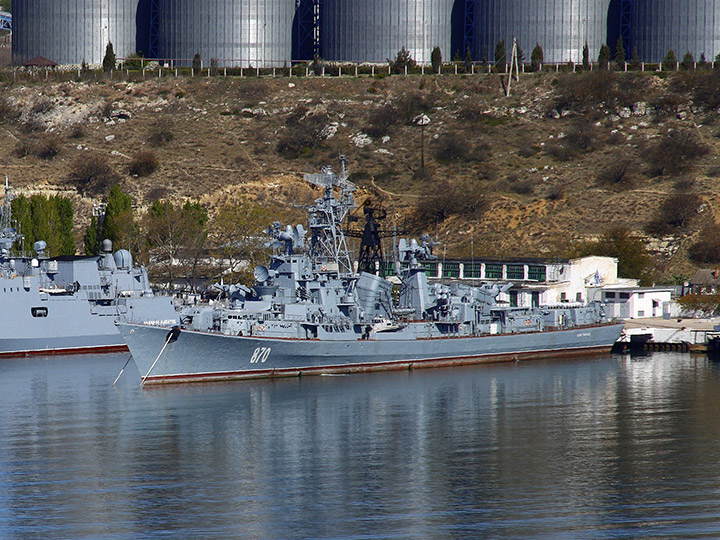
(536, 281)
(634, 302)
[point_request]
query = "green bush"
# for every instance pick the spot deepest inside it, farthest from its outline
(92, 174)
(161, 133)
(144, 163)
(444, 198)
(617, 175)
(707, 249)
(675, 152)
(302, 134)
(380, 121)
(674, 214)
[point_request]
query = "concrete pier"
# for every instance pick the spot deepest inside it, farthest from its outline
(680, 334)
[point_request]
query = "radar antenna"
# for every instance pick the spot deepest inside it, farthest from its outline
(328, 245)
(8, 234)
(5, 220)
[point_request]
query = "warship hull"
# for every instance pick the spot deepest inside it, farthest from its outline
(192, 356)
(68, 324)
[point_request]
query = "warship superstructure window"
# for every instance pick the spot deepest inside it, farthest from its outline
(39, 311)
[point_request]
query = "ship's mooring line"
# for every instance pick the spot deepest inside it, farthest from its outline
(172, 336)
(121, 371)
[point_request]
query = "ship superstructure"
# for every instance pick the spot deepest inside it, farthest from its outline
(70, 304)
(309, 312)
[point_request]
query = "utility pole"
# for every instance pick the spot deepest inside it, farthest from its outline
(513, 63)
(422, 120)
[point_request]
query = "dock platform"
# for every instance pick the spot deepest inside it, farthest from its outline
(677, 334)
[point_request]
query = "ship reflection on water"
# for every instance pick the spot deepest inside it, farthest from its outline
(597, 448)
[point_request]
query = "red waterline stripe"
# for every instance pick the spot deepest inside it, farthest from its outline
(67, 351)
(377, 366)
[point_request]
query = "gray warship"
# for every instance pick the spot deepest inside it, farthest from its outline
(311, 313)
(70, 304)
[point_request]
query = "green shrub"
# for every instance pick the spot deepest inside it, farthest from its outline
(92, 174)
(555, 193)
(674, 214)
(444, 198)
(707, 249)
(617, 175)
(144, 163)
(380, 121)
(302, 134)
(161, 133)
(675, 152)
(44, 146)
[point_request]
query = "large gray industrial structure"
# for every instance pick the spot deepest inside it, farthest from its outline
(375, 30)
(560, 27)
(70, 31)
(263, 32)
(683, 26)
(226, 32)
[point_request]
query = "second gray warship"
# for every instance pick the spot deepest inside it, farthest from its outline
(70, 304)
(311, 313)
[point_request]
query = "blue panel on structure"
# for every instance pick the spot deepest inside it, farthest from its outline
(5, 21)
(307, 30)
(469, 39)
(154, 29)
(625, 16)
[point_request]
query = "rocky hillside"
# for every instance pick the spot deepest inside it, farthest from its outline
(560, 162)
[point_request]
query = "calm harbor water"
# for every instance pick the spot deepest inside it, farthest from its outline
(610, 447)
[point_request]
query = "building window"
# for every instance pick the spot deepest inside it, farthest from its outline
(537, 273)
(515, 271)
(493, 271)
(513, 299)
(472, 270)
(563, 297)
(624, 296)
(609, 295)
(641, 295)
(641, 313)
(578, 297)
(451, 270)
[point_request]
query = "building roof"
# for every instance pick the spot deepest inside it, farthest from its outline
(611, 288)
(40, 61)
(705, 276)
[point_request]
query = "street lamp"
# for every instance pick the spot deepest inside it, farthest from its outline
(422, 120)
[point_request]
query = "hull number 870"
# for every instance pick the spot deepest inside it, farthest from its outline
(260, 355)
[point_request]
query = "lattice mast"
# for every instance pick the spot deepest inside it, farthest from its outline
(328, 244)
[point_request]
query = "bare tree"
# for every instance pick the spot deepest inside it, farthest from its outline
(236, 237)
